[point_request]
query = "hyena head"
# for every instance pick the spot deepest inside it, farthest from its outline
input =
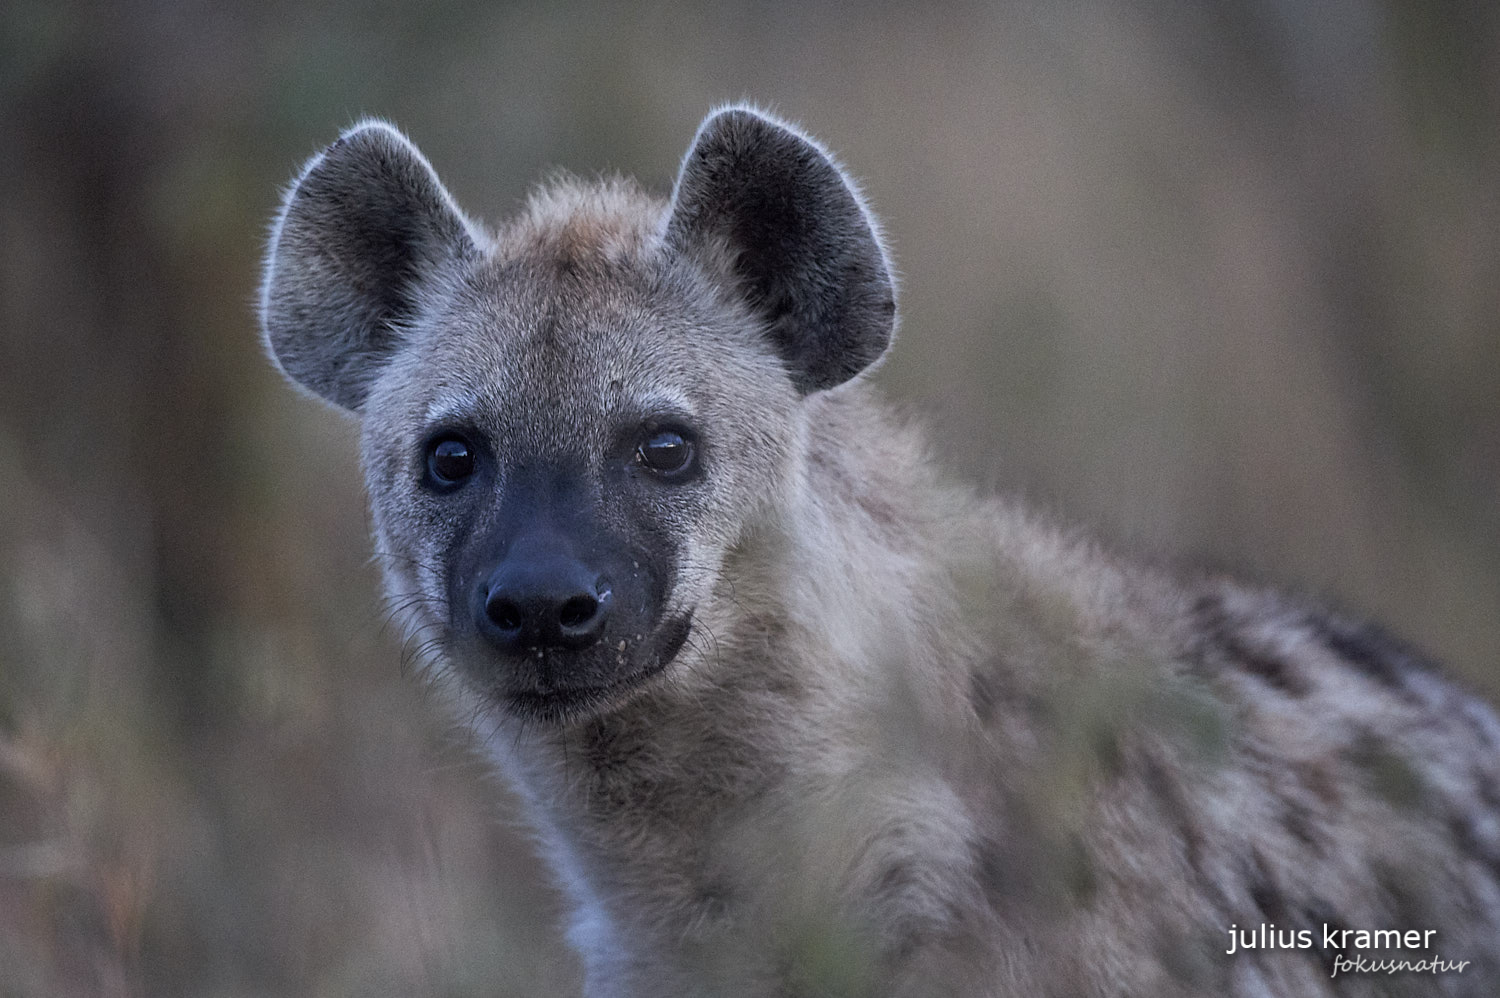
(568, 426)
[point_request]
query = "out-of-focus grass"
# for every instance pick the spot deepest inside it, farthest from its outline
(1221, 285)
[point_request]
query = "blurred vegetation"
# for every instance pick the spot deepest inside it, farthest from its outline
(1222, 280)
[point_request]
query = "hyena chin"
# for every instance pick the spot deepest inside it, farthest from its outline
(792, 714)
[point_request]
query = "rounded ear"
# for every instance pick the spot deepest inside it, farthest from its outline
(761, 200)
(364, 230)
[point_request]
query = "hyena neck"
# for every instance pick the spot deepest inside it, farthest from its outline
(680, 808)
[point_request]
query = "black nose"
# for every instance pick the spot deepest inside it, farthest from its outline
(543, 600)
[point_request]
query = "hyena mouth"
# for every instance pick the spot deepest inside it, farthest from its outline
(537, 696)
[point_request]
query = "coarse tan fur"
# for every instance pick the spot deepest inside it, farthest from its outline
(849, 729)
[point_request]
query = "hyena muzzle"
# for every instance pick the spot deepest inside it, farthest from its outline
(792, 714)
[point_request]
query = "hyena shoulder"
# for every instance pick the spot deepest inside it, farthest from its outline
(794, 713)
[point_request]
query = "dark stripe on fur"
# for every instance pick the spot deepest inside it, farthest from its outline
(1222, 640)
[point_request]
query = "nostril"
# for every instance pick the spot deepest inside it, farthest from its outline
(503, 612)
(577, 611)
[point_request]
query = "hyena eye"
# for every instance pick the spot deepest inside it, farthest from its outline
(666, 452)
(450, 460)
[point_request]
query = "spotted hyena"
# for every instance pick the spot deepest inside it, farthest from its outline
(792, 713)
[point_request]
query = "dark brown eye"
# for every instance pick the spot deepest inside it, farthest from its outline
(666, 452)
(450, 460)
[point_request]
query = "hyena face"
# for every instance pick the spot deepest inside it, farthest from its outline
(558, 467)
(567, 427)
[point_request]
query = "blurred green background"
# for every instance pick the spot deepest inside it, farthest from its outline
(1221, 280)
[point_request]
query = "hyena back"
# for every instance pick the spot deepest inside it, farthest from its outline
(793, 714)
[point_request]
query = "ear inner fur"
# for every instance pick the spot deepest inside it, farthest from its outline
(366, 226)
(776, 211)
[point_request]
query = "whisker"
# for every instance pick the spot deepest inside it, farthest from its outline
(408, 559)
